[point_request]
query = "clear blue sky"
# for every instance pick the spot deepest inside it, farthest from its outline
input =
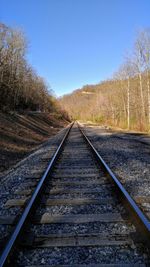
(76, 42)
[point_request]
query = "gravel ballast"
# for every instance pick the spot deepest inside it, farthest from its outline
(22, 175)
(128, 155)
(80, 219)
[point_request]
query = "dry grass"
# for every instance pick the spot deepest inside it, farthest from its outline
(21, 134)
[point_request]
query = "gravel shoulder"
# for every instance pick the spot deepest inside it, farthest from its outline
(128, 155)
(26, 174)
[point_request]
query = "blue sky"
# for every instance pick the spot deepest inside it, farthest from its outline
(76, 42)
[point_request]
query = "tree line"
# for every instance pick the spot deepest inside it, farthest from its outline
(123, 100)
(21, 88)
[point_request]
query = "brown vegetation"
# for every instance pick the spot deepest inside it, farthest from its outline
(21, 134)
(122, 101)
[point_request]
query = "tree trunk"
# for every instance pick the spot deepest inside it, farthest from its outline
(124, 102)
(128, 103)
(142, 96)
(148, 95)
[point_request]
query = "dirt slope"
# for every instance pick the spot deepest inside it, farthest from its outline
(21, 134)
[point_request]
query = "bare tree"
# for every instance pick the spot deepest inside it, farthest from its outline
(145, 39)
(20, 86)
(138, 61)
(125, 73)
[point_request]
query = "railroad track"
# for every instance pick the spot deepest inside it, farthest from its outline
(79, 215)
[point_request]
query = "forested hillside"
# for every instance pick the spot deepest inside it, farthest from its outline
(21, 88)
(29, 112)
(123, 100)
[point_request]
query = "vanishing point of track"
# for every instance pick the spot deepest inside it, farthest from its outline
(77, 213)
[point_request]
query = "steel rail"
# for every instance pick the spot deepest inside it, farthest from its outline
(14, 238)
(138, 218)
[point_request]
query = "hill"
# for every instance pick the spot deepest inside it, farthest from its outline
(20, 134)
(112, 102)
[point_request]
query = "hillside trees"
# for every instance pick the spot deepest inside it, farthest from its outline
(144, 38)
(20, 86)
(139, 66)
(123, 100)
